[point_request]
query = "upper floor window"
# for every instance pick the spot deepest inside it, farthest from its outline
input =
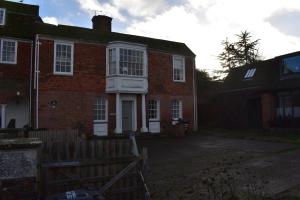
(63, 58)
(8, 51)
(178, 69)
(100, 109)
(176, 109)
(2, 16)
(291, 65)
(153, 110)
(126, 59)
(131, 62)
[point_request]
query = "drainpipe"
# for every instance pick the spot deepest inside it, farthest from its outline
(36, 80)
(195, 98)
(30, 86)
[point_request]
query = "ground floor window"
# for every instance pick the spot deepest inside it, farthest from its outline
(153, 110)
(176, 109)
(100, 109)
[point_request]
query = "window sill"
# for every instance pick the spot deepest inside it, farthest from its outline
(100, 121)
(10, 63)
(154, 120)
(62, 74)
(179, 81)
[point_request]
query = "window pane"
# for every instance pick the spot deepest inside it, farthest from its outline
(112, 62)
(63, 63)
(2, 16)
(176, 109)
(153, 109)
(178, 69)
(131, 62)
(8, 51)
(100, 109)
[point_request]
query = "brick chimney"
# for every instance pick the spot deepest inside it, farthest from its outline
(102, 23)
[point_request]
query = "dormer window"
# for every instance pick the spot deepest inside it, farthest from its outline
(250, 73)
(291, 65)
(2, 16)
(126, 59)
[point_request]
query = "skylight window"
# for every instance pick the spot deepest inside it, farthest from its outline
(250, 73)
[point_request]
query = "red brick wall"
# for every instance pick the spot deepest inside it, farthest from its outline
(17, 74)
(75, 94)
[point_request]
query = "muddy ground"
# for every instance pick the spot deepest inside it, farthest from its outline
(213, 167)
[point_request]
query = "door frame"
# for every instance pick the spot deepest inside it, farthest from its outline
(134, 110)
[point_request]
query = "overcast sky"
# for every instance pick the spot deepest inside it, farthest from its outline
(201, 24)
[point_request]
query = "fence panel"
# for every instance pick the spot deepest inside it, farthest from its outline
(69, 162)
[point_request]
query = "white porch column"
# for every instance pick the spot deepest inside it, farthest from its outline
(3, 116)
(144, 127)
(118, 114)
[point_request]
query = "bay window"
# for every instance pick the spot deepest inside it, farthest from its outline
(126, 60)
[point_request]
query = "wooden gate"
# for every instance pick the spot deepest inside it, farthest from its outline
(81, 164)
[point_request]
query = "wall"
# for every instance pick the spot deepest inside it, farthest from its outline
(75, 94)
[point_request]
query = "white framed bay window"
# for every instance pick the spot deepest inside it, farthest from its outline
(178, 68)
(63, 58)
(126, 59)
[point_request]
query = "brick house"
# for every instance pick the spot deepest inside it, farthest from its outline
(94, 79)
(262, 95)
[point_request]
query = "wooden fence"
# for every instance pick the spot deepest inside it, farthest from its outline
(68, 162)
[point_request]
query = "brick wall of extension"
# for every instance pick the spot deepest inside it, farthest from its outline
(15, 77)
(75, 95)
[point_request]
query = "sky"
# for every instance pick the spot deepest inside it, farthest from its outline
(201, 24)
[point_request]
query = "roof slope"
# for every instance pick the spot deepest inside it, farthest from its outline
(23, 21)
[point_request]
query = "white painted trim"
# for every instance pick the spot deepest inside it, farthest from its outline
(183, 62)
(118, 129)
(72, 58)
(16, 51)
(4, 17)
(144, 128)
(3, 116)
(195, 99)
(134, 114)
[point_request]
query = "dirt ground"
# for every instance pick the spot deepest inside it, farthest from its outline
(180, 168)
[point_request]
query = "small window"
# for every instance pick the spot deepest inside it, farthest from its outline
(8, 51)
(176, 109)
(178, 69)
(250, 73)
(2, 16)
(100, 109)
(63, 58)
(153, 110)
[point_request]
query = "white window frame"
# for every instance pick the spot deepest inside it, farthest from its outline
(4, 16)
(157, 110)
(183, 71)
(72, 58)
(130, 46)
(16, 51)
(180, 109)
(106, 109)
